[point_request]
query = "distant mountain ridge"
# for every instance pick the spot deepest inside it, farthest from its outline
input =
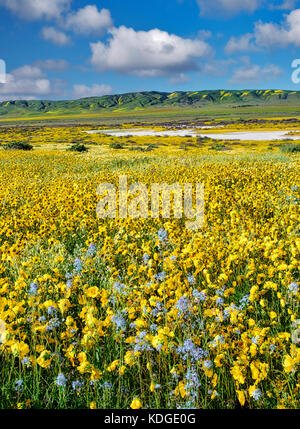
(135, 101)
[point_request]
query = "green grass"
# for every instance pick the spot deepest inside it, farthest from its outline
(17, 146)
(290, 148)
(77, 147)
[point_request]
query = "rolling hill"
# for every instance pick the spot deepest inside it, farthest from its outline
(150, 100)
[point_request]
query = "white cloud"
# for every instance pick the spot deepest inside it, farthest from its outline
(148, 53)
(240, 44)
(252, 72)
(228, 7)
(89, 20)
(24, 88)
(37, 9)
(53, 65)
(55, 36)
(29, 82)
(218, 68)
(180, 78)
(270, 34)
(28, 72)
(83, 91)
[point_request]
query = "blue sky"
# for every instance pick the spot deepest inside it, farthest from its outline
(57, 49)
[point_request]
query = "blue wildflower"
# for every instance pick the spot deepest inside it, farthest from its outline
(162, 234)
(19, 385)
(201, 296)
(69, 284)
(77, 384)
(161, 276)
(257, 394)
(25, 361)
(61, 380)
(182, 305)
(120, 322)
(146, 258)
(190, 351)
(91, 250)
(219, 302)
(293, 288)
(191, 279)
(77, 265)
(51, 310)
(208, 364)
(119, 288)
(33, 289)
(107, 385)
(244, 301)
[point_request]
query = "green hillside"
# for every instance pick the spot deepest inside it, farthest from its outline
(150, 100)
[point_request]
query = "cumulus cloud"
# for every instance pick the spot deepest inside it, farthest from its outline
(51, 64)
(55, 36)
(241, 44)
(270, 34)
(20, 86)
(82, 91)
(29, 82)
(37, 9)
(89, 20)
(148, 53)
(252, 72)
(28, 72)
(228, 7)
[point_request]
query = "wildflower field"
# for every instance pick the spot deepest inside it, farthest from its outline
(144, 313)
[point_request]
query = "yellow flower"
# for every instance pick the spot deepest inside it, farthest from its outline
(180, 389)
(44, 360)
(136, 404)
(82, 357)
(93, 405)
(253, 349)
(237, 374)
(251, 322)
(92, 292)
(140, 323)
(214, 380)
(122, 370)
(241, 397)
(157, 340)
(64, 305)
(129, 358)
(288, 364)
(282, 267)
(113, 365)
(252, 389)
(218, 360)
(20, 349)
